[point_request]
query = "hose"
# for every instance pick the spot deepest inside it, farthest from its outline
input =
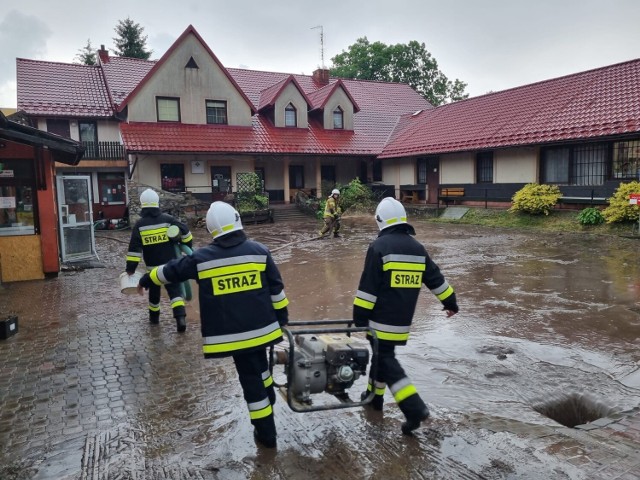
(185, 287)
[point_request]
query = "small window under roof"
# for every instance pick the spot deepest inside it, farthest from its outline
(191, 64)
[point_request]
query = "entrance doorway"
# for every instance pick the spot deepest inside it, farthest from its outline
(220, 182)
(428, 173)
(75, 218)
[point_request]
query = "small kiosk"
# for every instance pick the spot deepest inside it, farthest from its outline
(28, 205)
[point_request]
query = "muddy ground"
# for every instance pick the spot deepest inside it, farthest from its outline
(549, 325)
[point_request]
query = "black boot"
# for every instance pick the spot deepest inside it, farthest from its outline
(336, 235)
(181, 323)
(413, 423)
(264, 440)
(154, 317)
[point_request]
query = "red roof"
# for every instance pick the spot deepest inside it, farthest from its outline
(269, 95)
(596, 103)
(52, 89)
(320, 97)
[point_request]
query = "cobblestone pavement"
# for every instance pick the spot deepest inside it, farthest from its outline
(90, 390)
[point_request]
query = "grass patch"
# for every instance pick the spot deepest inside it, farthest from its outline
(556, 221)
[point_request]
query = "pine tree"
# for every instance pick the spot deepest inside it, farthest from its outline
(130, 41)
(86, 55)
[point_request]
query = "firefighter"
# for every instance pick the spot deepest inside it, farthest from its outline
(242, 307)
(395, 268)
(332, 213)
(149, 242)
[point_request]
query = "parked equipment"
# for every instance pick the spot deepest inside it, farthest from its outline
(323, 360)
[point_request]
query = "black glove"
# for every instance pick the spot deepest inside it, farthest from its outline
(145, 282)
(283, 316)
(450, 303)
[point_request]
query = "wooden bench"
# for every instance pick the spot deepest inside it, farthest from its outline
(448, 194)
(406, 197)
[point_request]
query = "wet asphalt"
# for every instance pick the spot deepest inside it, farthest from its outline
(548, 332)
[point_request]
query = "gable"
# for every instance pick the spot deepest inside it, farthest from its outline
(175, 76)
(291, 94)
(338, 98)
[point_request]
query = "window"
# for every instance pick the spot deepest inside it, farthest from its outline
(338, 118)
(217, 112)
(484, 167)
(172, 177)
(17, 197)
(89, 138)
(296, 176)
(111, 188)
(626, 160)
(328, 173)
(290, 116)
(575, 165)
(59, 127)
(168, 109)
(422, 171)
(377, 170)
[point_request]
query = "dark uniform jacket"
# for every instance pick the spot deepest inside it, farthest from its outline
(149, 239)
(395, 268)
(241, 294)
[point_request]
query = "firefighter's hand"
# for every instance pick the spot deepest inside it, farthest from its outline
(144, 283)
(450, 313)
(140, 289)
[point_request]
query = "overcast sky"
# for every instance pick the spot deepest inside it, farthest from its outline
(489, 44)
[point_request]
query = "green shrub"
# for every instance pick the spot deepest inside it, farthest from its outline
(619, 209)
(590, 216)
(353, 195)
(535, 199)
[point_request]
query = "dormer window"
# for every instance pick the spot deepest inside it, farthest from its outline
(338, 118)
(168, 109)
(290, 116)
(217, 112)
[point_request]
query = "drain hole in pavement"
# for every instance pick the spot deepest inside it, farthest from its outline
(573, 409)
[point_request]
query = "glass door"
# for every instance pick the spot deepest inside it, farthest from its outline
(76, 218)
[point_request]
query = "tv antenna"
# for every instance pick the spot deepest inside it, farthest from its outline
(321, 43)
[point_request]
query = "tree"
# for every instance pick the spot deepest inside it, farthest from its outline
(86, 55)
(130, 42)
(407, 63)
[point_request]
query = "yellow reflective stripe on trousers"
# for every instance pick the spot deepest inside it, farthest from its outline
(260, 409)
(233, 345)
(380, 387)
(403, 389)
(154, 308)
(394, 337)
(267, 379)
(177, 302)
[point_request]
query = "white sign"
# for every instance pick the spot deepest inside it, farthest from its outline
(197, 166)
(6, 174)
(7, 202)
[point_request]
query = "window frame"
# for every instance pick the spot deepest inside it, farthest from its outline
(91, 146)
(170, 185)
(338, 112)
(159, 109)
(213, 112)
(630, 155)
(288, 110)
(23, 178)
(292, 176)
(484, 167)
(577, 171)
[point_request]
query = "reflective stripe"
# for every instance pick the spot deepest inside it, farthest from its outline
(240, 341)
(187, 238)
(362, 303)
(153, 234)
(404, 262)
(398, 257)
(403, 389)
(393, 220)
(154, 276)
(260, 409)
(154, 307)
(157, 226)
(133, 259)
(281, 304)
(380, 387)
(366, 296)
(446, 294)
(134, 256)
(267, 379)
(160, 274)
(392, 333)
(228, 266)
(177, 302)
(280, 300)
(221, 262)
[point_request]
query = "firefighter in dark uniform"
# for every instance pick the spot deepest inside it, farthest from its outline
(242, 307)
(149, 242)
(395, 268)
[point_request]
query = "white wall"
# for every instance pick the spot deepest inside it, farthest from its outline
(457, 168)
(339, 98)
(291, 94)
(516, 165)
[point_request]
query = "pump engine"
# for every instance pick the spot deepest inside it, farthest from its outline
(322, 363)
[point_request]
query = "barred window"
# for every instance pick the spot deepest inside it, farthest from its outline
(626, 160)
(584, 164)
(484, 167)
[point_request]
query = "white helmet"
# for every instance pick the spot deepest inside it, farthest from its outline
(149, 199)
(335, 191)
(390, 212)
(222, 218)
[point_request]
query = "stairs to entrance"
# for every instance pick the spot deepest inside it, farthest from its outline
(288, 212)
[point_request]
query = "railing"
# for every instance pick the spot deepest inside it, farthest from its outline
(103, 151)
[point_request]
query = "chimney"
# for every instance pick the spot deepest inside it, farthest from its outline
(103, 54)
(321, 76)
